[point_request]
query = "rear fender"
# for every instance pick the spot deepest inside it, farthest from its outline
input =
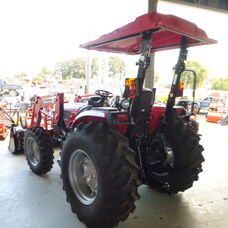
(117, 120)
(157, 111)
(180, 110)
(87, 116)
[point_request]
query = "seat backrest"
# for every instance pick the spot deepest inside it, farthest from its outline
(146, 102)
(95, 101)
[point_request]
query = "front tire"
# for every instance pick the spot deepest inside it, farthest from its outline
(38, 150)
(183, 140)
(100, 175)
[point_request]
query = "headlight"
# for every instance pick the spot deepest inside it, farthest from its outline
(124, 104)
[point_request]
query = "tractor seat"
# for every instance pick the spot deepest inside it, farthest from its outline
(179, 107)
(107, 109)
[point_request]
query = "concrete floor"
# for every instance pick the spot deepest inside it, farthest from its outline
(30, 201)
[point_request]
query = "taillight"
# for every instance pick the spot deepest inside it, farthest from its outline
(180, 90)
(131, 85)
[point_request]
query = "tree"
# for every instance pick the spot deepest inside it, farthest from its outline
(94, 67)
(45, 73)
(116, 67)
(78, 67)
(220, 84)
(62, 69)
(38, 78)
(74, 68)
(201, 73)
(20, 75)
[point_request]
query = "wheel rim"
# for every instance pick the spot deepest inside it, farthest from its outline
(33, 151)
(83, 177)
(13, 93)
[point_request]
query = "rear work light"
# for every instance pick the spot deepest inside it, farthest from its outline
(180, 89)
(131, 86)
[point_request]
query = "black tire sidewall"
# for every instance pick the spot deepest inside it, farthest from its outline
(117, 174)
(37, 167)
(43, 142)
(87, 147)
(184, 141)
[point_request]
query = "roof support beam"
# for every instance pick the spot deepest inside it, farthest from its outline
(149, 79)
(216, 5)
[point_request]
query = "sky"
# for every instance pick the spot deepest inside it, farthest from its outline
(37, 33)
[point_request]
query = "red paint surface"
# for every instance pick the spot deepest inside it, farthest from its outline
(157, 111)
(169, 36)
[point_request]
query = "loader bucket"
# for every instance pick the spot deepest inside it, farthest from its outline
(16, 140)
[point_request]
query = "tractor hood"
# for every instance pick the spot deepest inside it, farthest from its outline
(168, 32)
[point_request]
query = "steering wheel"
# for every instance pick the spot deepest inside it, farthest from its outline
(103, 93)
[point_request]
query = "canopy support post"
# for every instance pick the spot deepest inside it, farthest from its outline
(143, 63)
(149, 79)
(178, 70)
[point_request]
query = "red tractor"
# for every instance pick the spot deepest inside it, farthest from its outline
(108, 152)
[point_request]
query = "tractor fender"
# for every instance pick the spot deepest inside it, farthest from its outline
(116, 121)
(157, 111)
(87, 116)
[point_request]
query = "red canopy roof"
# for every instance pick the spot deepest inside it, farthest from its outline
(127, 39)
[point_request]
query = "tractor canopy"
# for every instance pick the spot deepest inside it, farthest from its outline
(168, 31)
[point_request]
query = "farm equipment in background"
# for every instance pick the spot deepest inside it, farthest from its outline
(3, 132)
(224, 121)
(8, 123)
(83, 98)
(108, 152)
(11, 89)
(203, 105)
(11, 108)
(9, 116)
(25, 120)
(10, 119)
(217, 111)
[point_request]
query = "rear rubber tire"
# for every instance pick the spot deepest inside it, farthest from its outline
(117, 174)
(194, 125)
(184, 141)
(36, 136)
